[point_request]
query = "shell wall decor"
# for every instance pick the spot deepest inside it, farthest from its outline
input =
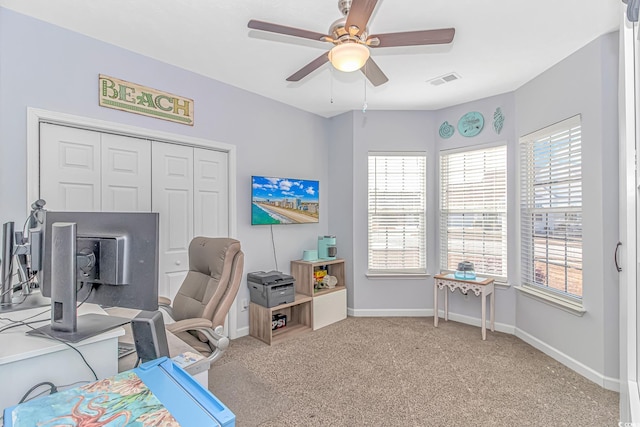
(498, 120)
(446, 130)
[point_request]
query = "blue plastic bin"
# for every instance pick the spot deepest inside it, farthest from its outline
(157, 392)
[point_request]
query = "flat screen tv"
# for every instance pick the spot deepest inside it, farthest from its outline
(284, 201)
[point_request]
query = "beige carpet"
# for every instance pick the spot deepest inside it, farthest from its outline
(404, 372)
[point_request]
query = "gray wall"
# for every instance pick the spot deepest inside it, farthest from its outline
(384, 131)
(584, 83)
(505, 296)
(341, 176)
(51, 68)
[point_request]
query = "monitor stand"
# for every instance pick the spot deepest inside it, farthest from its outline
(88, 325)
(65, 324)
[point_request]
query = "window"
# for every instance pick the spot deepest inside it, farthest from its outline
(397, 213)
(473, 210)
(551, 208)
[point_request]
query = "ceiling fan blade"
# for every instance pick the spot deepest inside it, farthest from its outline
(309, 68)
(359, 14)
(281, 29)
(415, 38)
(374, 73)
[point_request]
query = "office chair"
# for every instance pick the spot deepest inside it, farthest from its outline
(206, 294)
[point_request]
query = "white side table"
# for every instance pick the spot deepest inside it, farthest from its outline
(481, 287)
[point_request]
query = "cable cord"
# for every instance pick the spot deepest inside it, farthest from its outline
(59, 388)
(95, 376)
(273, 243)
(13, 288)
(22, 322)
(27, 324)
(52, 390)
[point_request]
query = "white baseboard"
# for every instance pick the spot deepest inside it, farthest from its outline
(473, 321)
(242, 332)
(383, 312)
(598, 378)
(500, 327)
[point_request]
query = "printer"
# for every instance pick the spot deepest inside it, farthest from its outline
(271, 288)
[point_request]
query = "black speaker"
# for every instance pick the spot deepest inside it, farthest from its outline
(149, 335)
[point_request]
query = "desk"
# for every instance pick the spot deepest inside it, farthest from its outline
(26, 360)
(481, 287)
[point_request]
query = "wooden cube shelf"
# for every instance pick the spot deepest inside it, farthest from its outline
(311, 309)
(299, 317)
(329, 305)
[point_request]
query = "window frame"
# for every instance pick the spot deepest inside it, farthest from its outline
(574, 301)
(502, 214)
(377, 269)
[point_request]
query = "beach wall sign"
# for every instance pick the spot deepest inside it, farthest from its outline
(134, 98)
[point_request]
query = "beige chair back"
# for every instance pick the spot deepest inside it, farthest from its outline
(213, 280)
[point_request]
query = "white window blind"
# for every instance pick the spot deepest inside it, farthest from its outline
(473, 210)
(397, 213)
(551, 208)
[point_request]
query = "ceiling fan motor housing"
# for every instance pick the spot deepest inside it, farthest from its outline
(341, 35)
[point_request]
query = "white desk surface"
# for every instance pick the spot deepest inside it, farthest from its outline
(16, 345)
(28, 360)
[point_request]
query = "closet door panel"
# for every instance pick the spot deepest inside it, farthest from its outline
(172, 198)
(126, 174)
(211, 193)
(70, 168)
(84, 170)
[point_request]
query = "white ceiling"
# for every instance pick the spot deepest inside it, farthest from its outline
(498, 46)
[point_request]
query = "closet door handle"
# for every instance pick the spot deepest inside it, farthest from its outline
(615, 257)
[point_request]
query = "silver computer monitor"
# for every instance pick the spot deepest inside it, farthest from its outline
(105, 258)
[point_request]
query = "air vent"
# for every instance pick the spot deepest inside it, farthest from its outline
(444, 79)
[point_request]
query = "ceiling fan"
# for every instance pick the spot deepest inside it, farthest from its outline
(351, 40)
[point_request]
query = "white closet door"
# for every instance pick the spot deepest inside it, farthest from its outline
(69, 168)
(211, 193)
(126, 174)
(172, 198)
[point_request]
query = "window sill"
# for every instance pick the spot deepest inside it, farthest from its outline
(564, 304)
(397, 275)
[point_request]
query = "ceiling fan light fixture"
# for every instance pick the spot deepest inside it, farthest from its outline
(349, 56)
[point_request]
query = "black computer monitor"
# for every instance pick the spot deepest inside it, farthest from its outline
(105, 258)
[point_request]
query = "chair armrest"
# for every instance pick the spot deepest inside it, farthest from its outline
(164, 304)
(217, 341)
(194, 324)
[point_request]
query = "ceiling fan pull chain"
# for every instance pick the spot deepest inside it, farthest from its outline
(331, 83)
(364, 106)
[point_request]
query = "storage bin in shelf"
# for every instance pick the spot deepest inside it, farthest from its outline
(299, 316)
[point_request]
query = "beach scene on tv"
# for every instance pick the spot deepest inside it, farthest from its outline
(284, 201)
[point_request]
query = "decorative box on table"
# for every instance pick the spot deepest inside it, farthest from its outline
(158, 393)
